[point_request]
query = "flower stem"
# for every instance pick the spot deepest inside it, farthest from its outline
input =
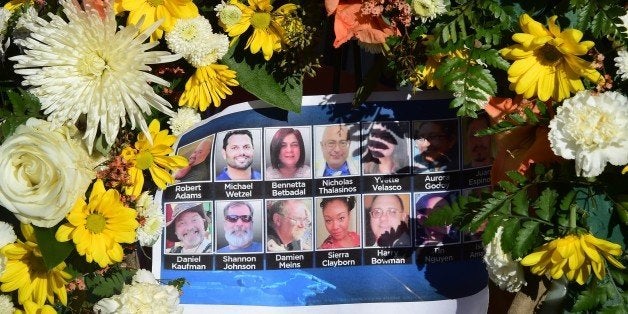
(572, 217)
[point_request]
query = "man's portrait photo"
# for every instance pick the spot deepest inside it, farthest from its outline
(478, 150)
(239, 226)
(188, 228)
(435, 145)
(426, 203)
(289, 225)
(198, 154)
(334, 156)
(240, 156)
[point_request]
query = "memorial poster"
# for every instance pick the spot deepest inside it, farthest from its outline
(324, 209)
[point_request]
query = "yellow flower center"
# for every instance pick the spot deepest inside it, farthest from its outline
(155, 3)
(189, 33)
(550, 54)
(260, 20)
(92, 64)
(95, 223)
(144, 160)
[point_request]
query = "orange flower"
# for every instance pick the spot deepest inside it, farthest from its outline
(519, 148)
(349, 22)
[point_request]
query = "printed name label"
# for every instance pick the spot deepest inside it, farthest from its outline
(438, 254)
(387, 184)
(292, 188)
(289, 260)
(188, 192)
(338, 258)
(239, 262)
(335, 186)
(188, 262)
(238, 190)
(387, 256)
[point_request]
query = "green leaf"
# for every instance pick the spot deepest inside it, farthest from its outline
(507, 186)
(526, 238)
(567, 200)
(521, 203)
(546, 204)
(588, 299)
(509, 236)
(53, 252)
(491, 229)
(254, 77)
(516, 177)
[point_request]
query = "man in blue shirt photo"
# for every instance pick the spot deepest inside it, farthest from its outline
(238, 227)
(238, 151)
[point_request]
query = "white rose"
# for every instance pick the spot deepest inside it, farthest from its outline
(44, 171)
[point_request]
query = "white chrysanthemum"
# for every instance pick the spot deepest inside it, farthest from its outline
(593, 130)
(502, 269)
(6, 305)
(621, 62)
(7, 234)
(21, 31)
(188, 34)
(142, 298)
(194, 40)
(183, 120)
(151, 220)
(88, 67)
(4, 18)
(624, 22)
(428, 9)
(228, 14)
(215, 47)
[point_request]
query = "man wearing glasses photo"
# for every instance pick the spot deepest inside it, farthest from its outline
(238, 228)
(335, 143)
(436, 146)
(387, 220)
(289, 226)
(238, 152)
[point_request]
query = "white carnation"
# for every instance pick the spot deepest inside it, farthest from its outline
(7, 234)
(151, 220)
(144, 276)
(502, 269)
(6, 305)
(621, 62)
(142, 298)
(214, 48)
(183, 120)
(593, 130)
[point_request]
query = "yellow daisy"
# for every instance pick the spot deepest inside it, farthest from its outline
(546, 63)
(26, 272)
(268, 35)
(209, 84)
(154, 10)
(32, 307)
(14, 4)
(574, 256)
(152, 156)
(97, 228)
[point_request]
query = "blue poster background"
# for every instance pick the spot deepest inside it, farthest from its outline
(413, 282)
